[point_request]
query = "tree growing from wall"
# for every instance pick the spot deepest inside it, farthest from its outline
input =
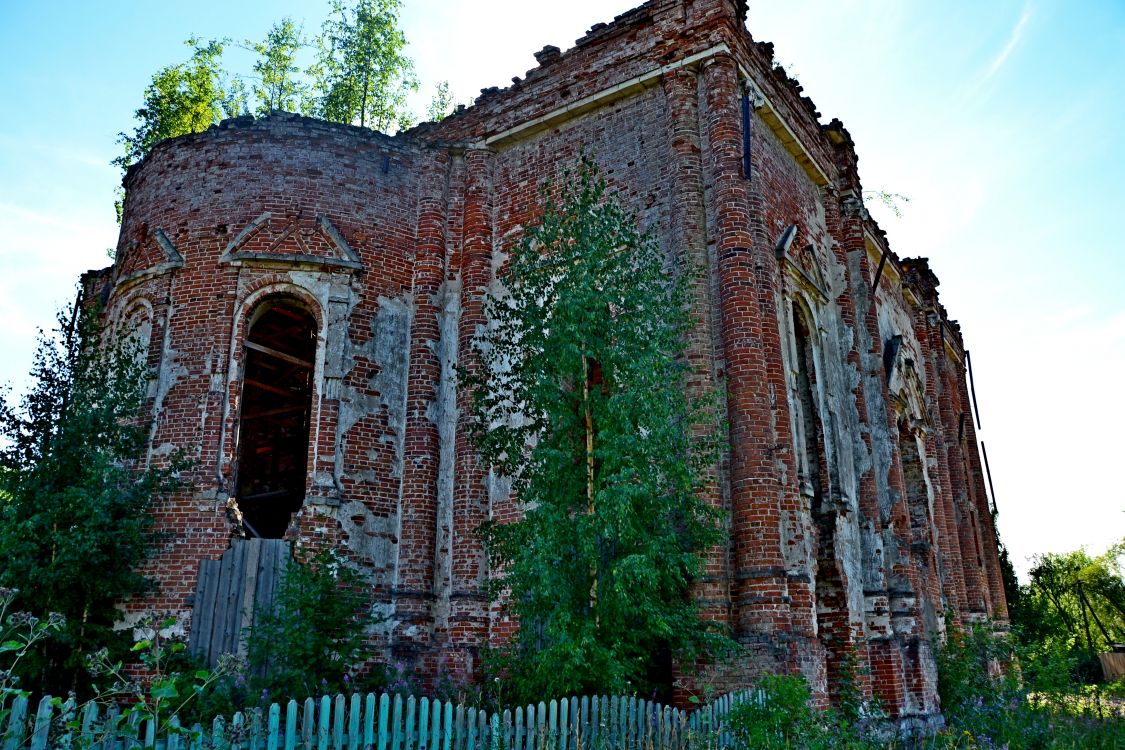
(279, 84)
(362, 75)
(185, 98)
(583, 404)
(75, 524)
(441, 104)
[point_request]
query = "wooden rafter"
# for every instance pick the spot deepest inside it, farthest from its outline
(269, 352)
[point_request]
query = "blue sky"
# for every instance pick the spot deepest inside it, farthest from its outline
(1000, 121)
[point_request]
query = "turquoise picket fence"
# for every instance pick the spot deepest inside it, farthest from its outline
(383, 722)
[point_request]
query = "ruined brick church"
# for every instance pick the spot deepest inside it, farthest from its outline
(307, 290)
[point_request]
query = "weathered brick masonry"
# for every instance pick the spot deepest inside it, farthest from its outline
(851, 485)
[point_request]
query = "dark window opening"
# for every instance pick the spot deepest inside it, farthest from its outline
(810, 425)
(914, 483)
(273, 436)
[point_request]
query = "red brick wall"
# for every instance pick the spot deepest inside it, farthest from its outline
(656, 99)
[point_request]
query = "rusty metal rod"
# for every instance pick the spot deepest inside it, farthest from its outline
(988, 473)
(972, 386)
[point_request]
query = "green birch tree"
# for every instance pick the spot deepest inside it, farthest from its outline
(441, 104)
(362, 75)
(185, 98)
(279, 83)
(583, 403)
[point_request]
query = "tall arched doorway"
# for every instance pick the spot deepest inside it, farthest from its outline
(273, 432)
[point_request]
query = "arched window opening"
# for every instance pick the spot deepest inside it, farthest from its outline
(137, 333)
(273, 436)
(914, 483)
(810, 433)
(832, 618)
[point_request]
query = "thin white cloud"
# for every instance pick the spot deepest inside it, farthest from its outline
(1013, 41)
(18, 145)
(25, 215)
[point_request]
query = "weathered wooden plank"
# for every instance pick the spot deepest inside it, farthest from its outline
(597, 719)
(214, 602)
(652, 722)
(257, 740)
(218, 618)
(263, 586)
(575, 724)
(355, 716)
(563, 741)
(724, 724)
(197, 736)
(218, 732)
(396, 724)
(132, 728)
(236, 576)
(175, 734)
(150, 732)
(423, 724)
(471, 737)
(612, 722)
(590, 722)
(14, 734)
(409, 730)
(203, 609)
(644, 723)
(384, 722)
(282, 559)
(42, 724)
(241, 549)
(291, 725)
(495, 730)
(552, 725)
(249, 593)
(88, 724)
(435, 726)
(308, 724)
(369, 708)
(324, 723)
(630, 722)
(447, 726)
(273, 727)
(532, 721)
(629, 717)
(237, 724)
(339, 716)
(218, 584)
(459, 729)
(582, 727)
(111, 728)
